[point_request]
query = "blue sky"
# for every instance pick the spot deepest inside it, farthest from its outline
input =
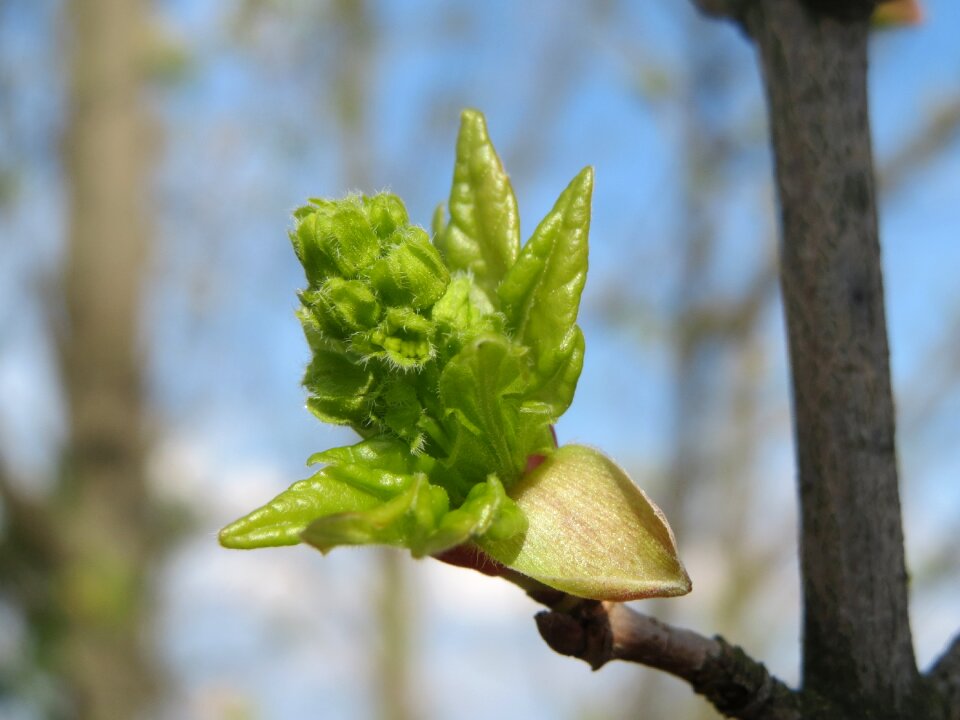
(249, 132)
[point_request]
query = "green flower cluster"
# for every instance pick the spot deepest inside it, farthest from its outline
(452, 358)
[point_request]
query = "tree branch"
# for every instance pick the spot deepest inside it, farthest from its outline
(732, 9)
(857, 645)
(735, 684)
(944, 675)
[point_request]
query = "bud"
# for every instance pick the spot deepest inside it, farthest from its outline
(403, 339)
(342, 307)
(591, 532)
(411, 272)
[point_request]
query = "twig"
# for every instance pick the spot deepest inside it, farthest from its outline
(735, 684)
(732, 9)
(944, 675)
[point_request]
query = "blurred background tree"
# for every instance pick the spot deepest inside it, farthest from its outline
(149, 155)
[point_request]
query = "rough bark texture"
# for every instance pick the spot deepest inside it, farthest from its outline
(857, 649)
(104, 511)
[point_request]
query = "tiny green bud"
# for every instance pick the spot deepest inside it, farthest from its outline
(348, 239)
(403, 339)
(341, 392)
(386, 214)
(343, 307)
(411, 272)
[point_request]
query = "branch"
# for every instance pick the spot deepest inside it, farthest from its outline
(857, 648)
(735, 684)
(598, 632)
(732, 9)
(944, 675)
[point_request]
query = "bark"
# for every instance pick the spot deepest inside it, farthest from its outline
(724, 675)
(944, 678)
(103, 515)
(857, 649)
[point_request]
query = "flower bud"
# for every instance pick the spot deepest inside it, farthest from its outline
(411, 272)
(343, 307)
(403, 339)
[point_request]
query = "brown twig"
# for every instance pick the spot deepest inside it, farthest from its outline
(735, 684)
(732, 9)
(944, 675)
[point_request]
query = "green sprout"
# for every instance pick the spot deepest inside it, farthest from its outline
(452, 359)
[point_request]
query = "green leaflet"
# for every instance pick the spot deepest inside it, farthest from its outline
(452, 359)
(541, 293)
(483, 389)
(376, 492)
(341, 392)
(483, 235)
(405, 520)
(281, 521)
(487, 512)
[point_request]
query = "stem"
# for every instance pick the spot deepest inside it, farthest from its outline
(945, 678)
(857, 649)
(732, 682)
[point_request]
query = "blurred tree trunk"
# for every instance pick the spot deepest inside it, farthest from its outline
(102, 518)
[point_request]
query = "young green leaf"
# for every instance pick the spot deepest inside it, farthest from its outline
(591, 532)
(464, 313)
(541, 293)
(483, 235)
(406, 520)
(483, 388)
(487, 511)
(281, 520)
(341, 392)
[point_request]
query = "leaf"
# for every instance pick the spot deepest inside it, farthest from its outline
(483, 235)
(341, 392)
(281, 520)
(555, 392)
(380, 453)
(464, 313)
(541, 293)
(407, 520)
(486, 511)
(481, 389)
(591, 532)
(357, 478)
